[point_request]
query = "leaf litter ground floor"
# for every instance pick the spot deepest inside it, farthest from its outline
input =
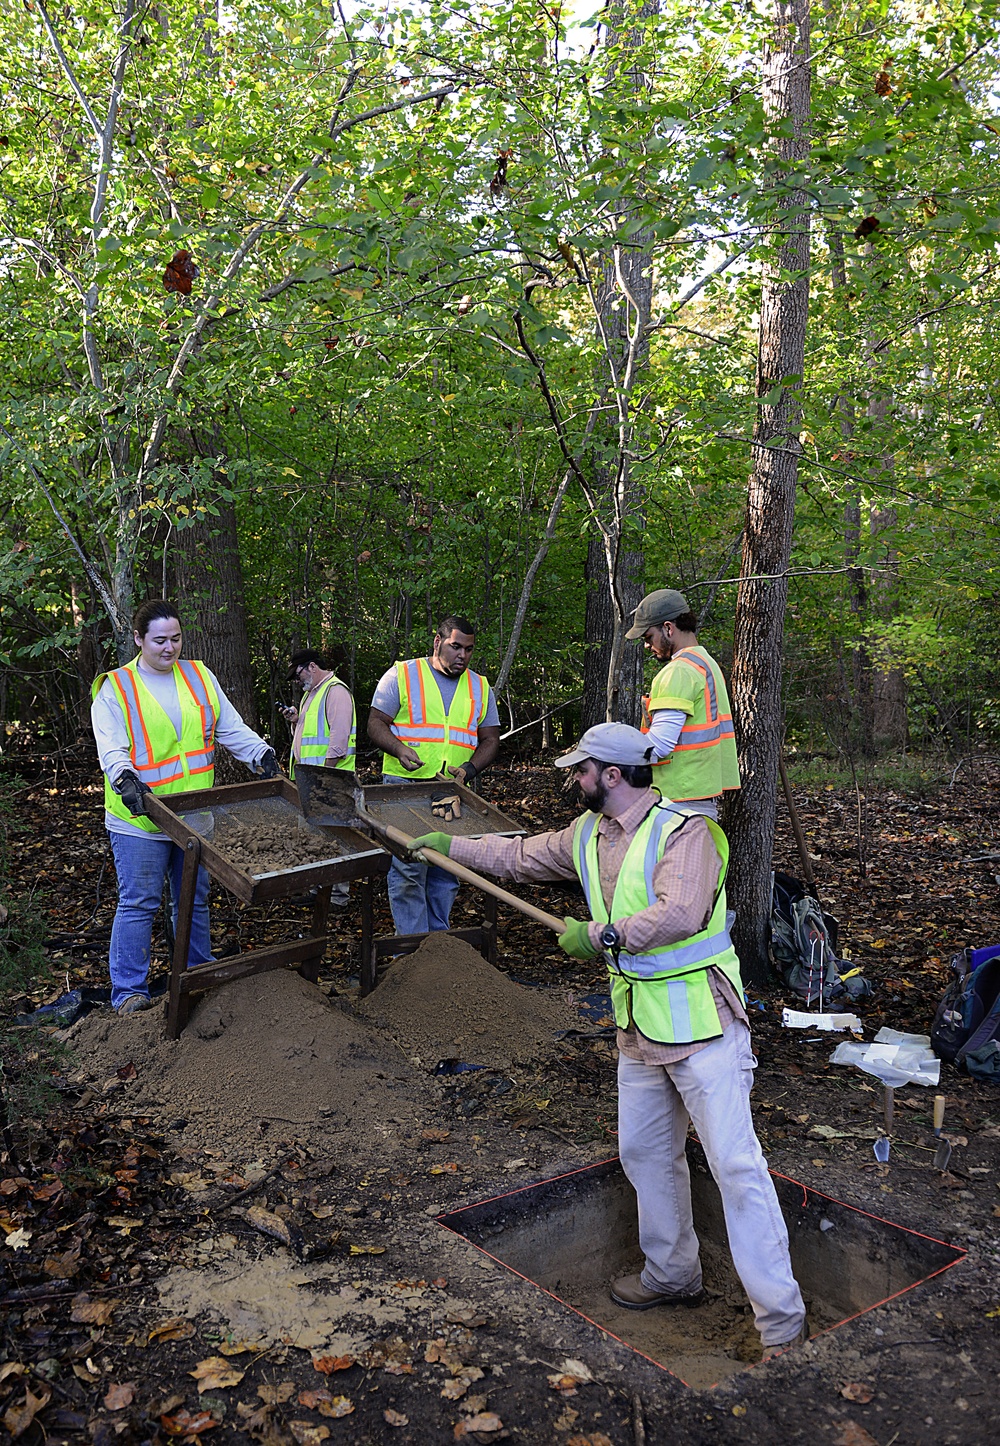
(160, 1294)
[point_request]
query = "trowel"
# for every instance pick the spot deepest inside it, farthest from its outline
(331, 798)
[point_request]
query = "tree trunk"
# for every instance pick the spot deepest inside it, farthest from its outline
(767, 541)
(615, 567)
(210, 596)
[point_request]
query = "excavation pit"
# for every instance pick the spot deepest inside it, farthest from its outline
(572, 1235)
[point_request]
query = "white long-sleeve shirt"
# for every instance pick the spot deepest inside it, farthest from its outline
(111, 734)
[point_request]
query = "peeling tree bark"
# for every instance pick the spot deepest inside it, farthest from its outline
(767, 541)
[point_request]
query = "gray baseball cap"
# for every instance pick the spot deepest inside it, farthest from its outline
(609, 743)
(657, 607)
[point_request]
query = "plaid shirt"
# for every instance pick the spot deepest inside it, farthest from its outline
(684, 884)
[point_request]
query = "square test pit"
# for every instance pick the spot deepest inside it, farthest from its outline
(572, 1235)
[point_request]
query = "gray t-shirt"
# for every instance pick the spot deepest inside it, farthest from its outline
(386, 698)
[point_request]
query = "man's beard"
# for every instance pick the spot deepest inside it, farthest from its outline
(597, 797)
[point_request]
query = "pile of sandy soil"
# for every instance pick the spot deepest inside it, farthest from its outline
(262, 1059)
(446, 1002)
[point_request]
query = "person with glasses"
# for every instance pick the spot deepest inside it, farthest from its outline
(324, 725)
(156, 722)
(654, 880)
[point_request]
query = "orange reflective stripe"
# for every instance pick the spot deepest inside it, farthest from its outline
(128, 693)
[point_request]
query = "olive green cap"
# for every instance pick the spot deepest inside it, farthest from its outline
(658, 607)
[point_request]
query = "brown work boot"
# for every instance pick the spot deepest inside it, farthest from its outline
(630, 1292)
(770, 1351)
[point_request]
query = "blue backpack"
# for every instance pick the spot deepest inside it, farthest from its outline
(966, 1028)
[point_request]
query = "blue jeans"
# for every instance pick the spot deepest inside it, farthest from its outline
(141, 865)
(420, 896)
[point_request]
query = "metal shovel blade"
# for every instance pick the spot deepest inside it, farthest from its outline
(942, 1155)
(327, 796)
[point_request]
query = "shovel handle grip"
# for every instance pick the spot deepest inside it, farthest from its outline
(468, 876)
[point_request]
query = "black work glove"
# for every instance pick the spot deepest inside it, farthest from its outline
(132, 792)
(267, 765)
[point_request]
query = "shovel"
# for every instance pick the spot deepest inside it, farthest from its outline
(330, 797)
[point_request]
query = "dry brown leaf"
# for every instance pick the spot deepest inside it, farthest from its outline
(368, 1249)
(255, 1418)
(395, 1418)
(175, 1329)
(572, 1367)
(465, 1318)
(214, 1373)
(443, 1351)
(857, 1391)
(449, 1169)
(91, 1312)
(12, 1368)
(566, 1384)
(312, 1399)
(439, 1136)
(338, 1406)
(64, 1266)
(120, 1395)
(454, 1389)
(596, 1438)
(307, 1435)
(329, 1364)
(88, 1373)
(566, 1421)
(270, 1224)
(18, 1418)
(276, 1395)
(240, 1348)
(188, 1423)
(486, 1421)
(322, 1212)
(851, 1434)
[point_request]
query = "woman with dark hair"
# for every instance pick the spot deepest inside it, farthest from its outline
(156, 722)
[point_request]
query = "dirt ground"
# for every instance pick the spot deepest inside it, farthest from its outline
(236, 1235)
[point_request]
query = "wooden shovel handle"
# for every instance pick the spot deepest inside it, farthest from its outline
(431, 856)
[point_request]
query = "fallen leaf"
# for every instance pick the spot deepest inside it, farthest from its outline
(454, 1389)
(442, 1351)
(18, 1418)
(329, 1364)
(193, 1183)
(91, 1312)
(857, 1391)
(338, 1406)
(49, 1191)
(267, 1223)
(175, 1329)
(188, 1423)
(214, 1373)
(120, 1396)
(596, 1438)
(566, 1420)
(255, 1418)
(395, 1418)
(12, 1368)
(449, 1169)
(18, 1239)
(851, 1434)
(566, 1384)
(572, 1367)
(307, 1435)
(276, 1395)
(438, 1135)
(240, 1348)
(64, 1266)
(311, 1399)
(88, 1373)
(466, 1318)
(368, 1249)
(322, 1212)
(486, 1421)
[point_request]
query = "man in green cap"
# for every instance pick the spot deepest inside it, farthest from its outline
(691, 722)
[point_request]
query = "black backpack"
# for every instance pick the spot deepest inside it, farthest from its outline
(967, 1021)
(804, 947)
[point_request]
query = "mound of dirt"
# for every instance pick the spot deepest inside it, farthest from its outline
(446, 1002)
(270, 844)
(263, 1060)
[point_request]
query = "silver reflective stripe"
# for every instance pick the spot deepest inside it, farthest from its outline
(662, 821)
(703, 667)
(680, 1009)
(680, 958)
(584, 835)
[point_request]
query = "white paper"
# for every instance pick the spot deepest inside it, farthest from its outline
(799, 1019)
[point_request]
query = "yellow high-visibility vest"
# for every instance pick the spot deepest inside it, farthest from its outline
(166, 763)
(315, 738)
(665, 991)
(422, 723)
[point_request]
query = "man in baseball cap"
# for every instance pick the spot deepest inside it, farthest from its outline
(691, 722)
(654, 880)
